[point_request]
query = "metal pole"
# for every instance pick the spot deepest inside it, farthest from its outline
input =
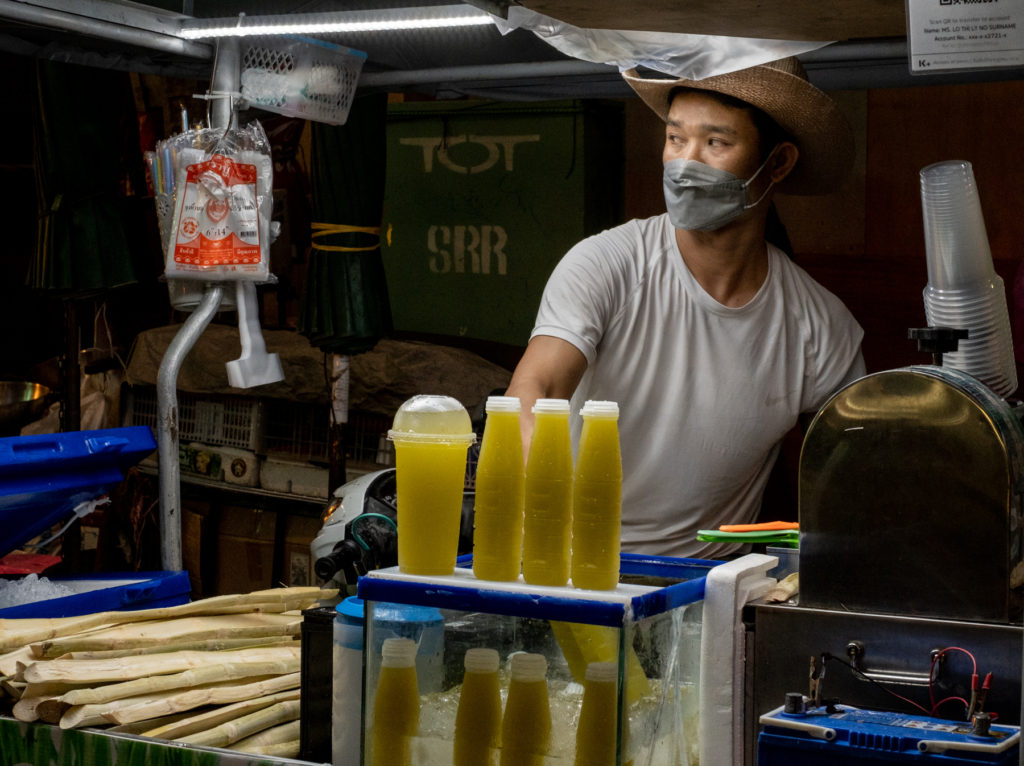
(226, 75)
(167, 425)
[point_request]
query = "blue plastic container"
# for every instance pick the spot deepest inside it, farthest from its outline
(43, 478)
(108, 593)
(853, 737)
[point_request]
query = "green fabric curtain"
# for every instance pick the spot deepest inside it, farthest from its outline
(345, 306)
(82, 245)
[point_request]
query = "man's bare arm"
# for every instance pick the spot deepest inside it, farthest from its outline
(550, 368)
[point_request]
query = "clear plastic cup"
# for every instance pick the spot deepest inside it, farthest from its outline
(963, 288)
(987, 353)
(956, 242)
(432, 435)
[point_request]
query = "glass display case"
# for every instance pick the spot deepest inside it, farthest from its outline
(648, 630)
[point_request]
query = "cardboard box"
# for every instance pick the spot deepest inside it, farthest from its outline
(245, 549)
(297, 564)
(197, 525)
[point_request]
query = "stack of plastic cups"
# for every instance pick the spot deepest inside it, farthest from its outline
(964, 291)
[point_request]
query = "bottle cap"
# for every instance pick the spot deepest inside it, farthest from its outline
(502, 404)
(603, 672)
(600, 409)
(557, 406)
(398, 653)
(529, 667)
(481, 660)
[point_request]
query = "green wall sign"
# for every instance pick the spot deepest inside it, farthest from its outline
(483, 199)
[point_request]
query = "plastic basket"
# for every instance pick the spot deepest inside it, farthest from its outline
(301, 77)
(221, 421)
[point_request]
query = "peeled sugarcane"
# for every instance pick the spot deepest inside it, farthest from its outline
(52, 710)
(282, 741)
(51, 688)
(78, 716)
(26, 708)
(159, 704)
(140, 727)
(207, 645)
(166, 703)
(232, 731)
(130, 668)
(283, 750)
(9, 661)
(214, 673)
(15, 633)
(166, 632)
(208, 720)
(784, 590)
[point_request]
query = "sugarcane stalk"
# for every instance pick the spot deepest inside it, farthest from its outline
(140, 727)
(77, 718)
(274, 737)
(166, 703)
(232, 731)
(283, 750)
(26, 709)
(15, 633)
(212, 718)
(51, 710)
(129, 668)
(51, 688)
(193, 677)
(9, 661)
(163, 633)
(206, 645)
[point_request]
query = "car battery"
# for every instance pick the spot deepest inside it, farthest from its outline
(851, 736)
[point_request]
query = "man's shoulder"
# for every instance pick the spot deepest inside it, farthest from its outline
(635, 242)
(808, 298)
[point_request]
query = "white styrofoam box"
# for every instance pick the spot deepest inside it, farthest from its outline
(240, 466)
(297, 478)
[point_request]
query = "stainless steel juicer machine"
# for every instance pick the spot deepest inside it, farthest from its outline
(910, 556)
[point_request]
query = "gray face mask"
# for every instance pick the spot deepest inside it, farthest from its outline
(701, 197)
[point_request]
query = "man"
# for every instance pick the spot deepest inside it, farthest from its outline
(710, 339)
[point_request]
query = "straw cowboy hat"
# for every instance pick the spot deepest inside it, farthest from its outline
(781, 90)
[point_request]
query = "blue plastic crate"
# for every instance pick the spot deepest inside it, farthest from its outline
(108, 593)
(43, 478)
(851, 736)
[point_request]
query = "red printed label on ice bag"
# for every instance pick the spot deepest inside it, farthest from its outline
(218, 221)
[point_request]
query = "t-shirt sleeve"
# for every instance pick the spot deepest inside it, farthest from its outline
(834, 353)
(584, 292)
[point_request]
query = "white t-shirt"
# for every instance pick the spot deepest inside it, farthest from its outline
(705, 392)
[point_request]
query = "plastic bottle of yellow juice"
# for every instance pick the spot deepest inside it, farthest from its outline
(596, 733)
(478, 719)
(597, 499)
(396, 704)
(548, 504)
(526, 725)
(498, 513)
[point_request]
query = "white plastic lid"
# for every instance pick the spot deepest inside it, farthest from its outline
(503, 404)
(529, 667)
(602, 672)
(593, 408)
(398, 653)
(432, 418)
(557, 406)
(481, 660)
